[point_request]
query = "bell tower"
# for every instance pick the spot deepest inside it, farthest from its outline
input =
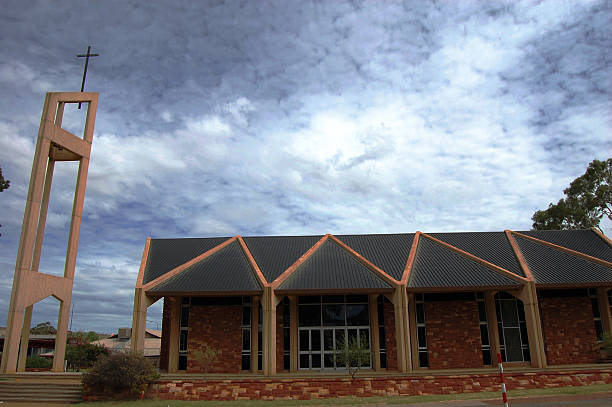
(29, 285)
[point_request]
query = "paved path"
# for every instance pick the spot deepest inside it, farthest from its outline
(586, 400)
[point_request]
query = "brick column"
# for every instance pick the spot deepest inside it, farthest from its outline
(175, 328)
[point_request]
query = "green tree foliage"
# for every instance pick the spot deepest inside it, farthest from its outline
(44, 328)
(38, 362)
(4, 184)
(353, 355)
(587, 200)
(82, 355)
(120, 373)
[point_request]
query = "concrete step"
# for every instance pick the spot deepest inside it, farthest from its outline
(40, 391)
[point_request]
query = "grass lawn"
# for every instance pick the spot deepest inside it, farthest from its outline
(393, 400)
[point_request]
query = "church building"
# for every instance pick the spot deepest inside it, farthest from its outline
(277, 305)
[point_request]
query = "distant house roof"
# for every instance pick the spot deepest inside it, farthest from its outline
(152, 343)
(468, 260)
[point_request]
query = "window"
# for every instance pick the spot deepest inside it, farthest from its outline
(596, 314)
(246, 333)
(184, 333)
(513, 339)
(484, 329)
(421, 332)
(326, 321)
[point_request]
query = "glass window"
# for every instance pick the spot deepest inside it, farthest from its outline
(357, 314)
(323, 323)
(310, 315)
(333, 315)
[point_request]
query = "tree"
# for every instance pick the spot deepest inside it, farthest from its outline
(587, 200)
(4, 184)
(353, 355)
(44, 328)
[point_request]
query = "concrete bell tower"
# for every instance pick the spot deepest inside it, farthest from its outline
(30, 286)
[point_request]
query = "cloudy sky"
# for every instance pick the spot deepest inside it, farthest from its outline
(296, 117)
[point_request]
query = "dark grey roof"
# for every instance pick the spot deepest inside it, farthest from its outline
(167, 254)
(493, 247)
(275, 254)
(331, 267)
(436, 266)
(387, 252)
(553, 266)
(584, 241)
(225, 270)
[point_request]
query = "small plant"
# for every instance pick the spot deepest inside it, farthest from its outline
(205, 357)
(38, 362)
(121, 374)
(353, 355)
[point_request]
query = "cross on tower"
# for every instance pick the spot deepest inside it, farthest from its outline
(86, 56)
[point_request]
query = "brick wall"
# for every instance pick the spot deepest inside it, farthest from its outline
(390, 339)
(219, 327)
(305, 388)
(568, 330)
(453, 334)
(164, 351)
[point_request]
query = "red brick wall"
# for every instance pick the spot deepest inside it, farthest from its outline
(390, 339)
(279, 338)
(453, 334)
(164, 351)
(304, 388)
(219, 327)
(568, 330)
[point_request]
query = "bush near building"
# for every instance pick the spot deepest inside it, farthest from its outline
(123, 375)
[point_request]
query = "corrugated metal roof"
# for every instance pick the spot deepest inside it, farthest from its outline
(225, 270)
(389, 252)
(167, 254)
(583, 241)
(331, 267)
(493, 247)
(553, 266)
(436, 266)
(275, 254)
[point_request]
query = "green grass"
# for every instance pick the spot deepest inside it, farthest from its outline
(392, 400)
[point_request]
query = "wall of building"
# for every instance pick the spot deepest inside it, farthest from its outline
(305, 388)
(453, 334)
(217, 326)
(390, 339)
(165, 339)
(568, 330)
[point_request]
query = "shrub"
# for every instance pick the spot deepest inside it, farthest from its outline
(120, 373)
(353, 355)
(38, 362)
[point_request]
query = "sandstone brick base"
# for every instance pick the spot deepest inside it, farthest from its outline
(320, 388)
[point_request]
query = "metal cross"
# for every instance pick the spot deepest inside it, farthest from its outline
(86, 56)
